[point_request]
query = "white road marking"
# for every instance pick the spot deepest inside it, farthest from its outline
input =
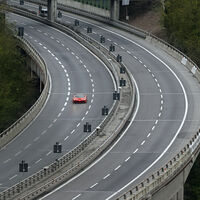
(136, 58)
(63, 45)
(67, 98)
(59, 114)
(40, 44)
(56, 58)
(27, 146)
(140, 61)
(82, 118)
(160, 91)
(73, 131)
(92, 100)
(13, 177)
(158, 85)
(18, 153)
(159, 114)
(63, 66)
(52, 37)
(49, 153)
(72, 53)
(63, 109)
(43, 132)
(76, 197)
(50, 125)
(153, 128)
(93, 185)
(54, 120)
(161, 96)
(78, 125)
(69, 88)
(86, 112)
(156, 80)
(68, 93)
(35, 40)
(149, 70)
(135, 151)
(44, 47)
(65, 104)
(60, 63)
(109, 39)
(77, 57)
(52, 54)
(148, 134)
(37, 138)
(106, 176)
(142, 142)
(153, 75)
(49, 51)
(127, 159)
(161, 108)
(122, 47)
(161, 102)
(38, 161)
(39, 30)
(66, 138)
(128, 52)
(45, 34)
(89, 107)
(117, 167)
(156, 121)
(6, 161)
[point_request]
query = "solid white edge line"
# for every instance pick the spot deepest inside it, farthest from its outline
(110, 148)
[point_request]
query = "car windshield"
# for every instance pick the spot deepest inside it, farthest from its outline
(79, 96)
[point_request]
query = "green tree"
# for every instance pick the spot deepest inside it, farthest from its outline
(182, 22)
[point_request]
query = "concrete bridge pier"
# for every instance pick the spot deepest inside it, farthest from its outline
(114, 9)
(52, 10)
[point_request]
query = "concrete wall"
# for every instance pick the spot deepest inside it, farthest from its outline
(85, 7)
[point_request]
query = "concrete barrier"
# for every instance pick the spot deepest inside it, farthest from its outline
(88, 150)
(11, 132)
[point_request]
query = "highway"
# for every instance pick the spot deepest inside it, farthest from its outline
(165, 117)
(73, 69)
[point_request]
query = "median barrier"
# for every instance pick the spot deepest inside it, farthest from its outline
(15, 129)
(89, 149)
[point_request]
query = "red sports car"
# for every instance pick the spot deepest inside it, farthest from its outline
(79, 98)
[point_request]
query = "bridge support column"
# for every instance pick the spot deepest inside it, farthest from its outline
(52, 10)
(114, 9)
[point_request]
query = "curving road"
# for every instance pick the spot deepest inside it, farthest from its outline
(73, 69)
(165, 117)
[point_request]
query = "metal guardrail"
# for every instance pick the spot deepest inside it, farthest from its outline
(11, 132)
(186, 154)
(81, 155)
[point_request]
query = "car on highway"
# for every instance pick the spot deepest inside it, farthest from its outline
(43, 12)
(79, 98)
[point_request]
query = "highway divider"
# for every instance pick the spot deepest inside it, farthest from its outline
(17, 127)
(187, 154)
(90, 148)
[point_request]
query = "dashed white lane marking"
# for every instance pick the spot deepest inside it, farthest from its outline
(82, 118)
(30, 26)
(117, 167)
(60, 63)
(73, 131)
(50, 125)
(127, 159)
(69, 88)
(72, 53)
(115, 43)
(49, 51)
(30, 37)
(18, 153)
(135, 150)
(156, 121)
(63, 109)
(68, 93)
(59, 114)
(48, 153)
(153, 128)
(39, 30)
(52, 54)
(13, 177)
(78, 125)
(109, 40)
(6, 161)
(106, 176)
(40, 44)
(52, 37)
(159, 114)
(92, 100)
(89, 107)
(137, 58)
(161, 102)
(86, 112)
(54, 120)
(45, 34)
(93, 185)
(153, 75)
(67, 98)
(156, 80)
(57, 41)
(44, 47)
(65, 104)
(149, 70)
(160, 91)
(63, 45)
(140, 61)
(122, 48)
(158, 85)
(161, 108)
(27, 146)
(148, 134)
(66, 138)
(77, 57)
(161, 96)
(38, 161)
(56, 58)
(35, 40)
(43, 132)
(76, 197)
(37, 138)
(142, 142)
